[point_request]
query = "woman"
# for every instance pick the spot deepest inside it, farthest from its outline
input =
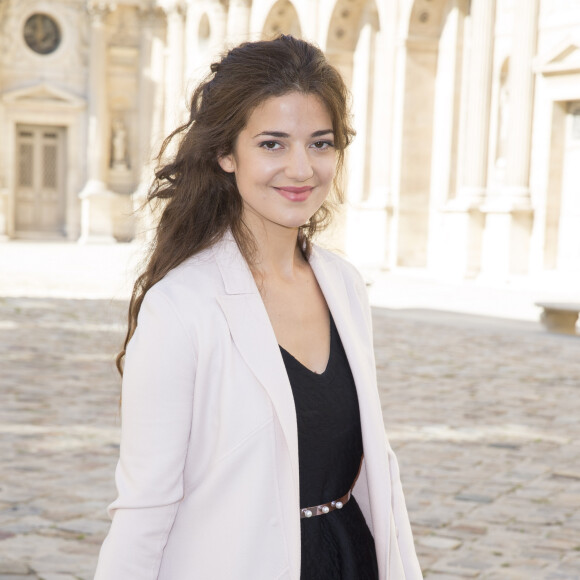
(238, 458)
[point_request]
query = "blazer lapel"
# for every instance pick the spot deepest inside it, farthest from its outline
(348, 315)
(254, 338)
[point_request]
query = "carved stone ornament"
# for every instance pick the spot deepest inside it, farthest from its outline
(99, 9)
(42, 33)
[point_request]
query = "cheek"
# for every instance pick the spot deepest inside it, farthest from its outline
(267, 168)
(329, 170)
(258, 171)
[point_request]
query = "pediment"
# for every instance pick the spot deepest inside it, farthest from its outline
(564, 58)
(43, 94)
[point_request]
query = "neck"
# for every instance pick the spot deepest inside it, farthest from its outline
(277, 254)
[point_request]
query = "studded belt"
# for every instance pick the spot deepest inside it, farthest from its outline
(337, 504)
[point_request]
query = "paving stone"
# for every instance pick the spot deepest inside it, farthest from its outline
(474, 497)
(9, 566)
(439, 542)
(468, 529)
(459, 568)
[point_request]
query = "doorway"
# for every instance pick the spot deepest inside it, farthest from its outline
(40, 191)
(562, 226)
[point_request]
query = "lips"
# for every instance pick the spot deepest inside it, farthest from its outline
(294, 193)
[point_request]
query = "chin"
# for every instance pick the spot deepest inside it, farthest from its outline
(295, 223)
(298, 219)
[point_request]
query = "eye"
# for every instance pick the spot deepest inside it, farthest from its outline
(322, 145)
(270, 145)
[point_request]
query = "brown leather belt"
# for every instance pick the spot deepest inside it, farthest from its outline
(337, 504)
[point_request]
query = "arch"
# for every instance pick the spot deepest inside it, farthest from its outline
(282, 19)
(203, 33)
(363, 83)
(355, 46)
(427, 104)
(204, 28)
(345, 24)
(348, 19)
(427, 18)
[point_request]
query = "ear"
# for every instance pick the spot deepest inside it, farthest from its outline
(227, 163)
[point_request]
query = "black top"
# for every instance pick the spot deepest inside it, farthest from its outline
(337, 545)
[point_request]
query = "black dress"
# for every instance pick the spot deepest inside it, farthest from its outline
(337, 545)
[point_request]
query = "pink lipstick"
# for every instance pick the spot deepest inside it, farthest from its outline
(294, 193)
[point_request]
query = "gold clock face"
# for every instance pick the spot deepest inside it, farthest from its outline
(42, 34)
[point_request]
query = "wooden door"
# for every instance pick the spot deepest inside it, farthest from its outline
(40, 192)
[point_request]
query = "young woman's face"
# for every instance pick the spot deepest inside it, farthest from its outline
(284, 161)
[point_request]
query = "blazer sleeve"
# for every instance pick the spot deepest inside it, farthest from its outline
(157, 397)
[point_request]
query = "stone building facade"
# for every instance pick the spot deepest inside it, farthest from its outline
(467, 157)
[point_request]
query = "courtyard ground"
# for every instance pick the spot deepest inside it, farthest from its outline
(481, 405)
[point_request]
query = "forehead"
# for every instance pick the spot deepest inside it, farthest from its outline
(293, 112)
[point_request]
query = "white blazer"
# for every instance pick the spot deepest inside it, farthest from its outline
(208, 472)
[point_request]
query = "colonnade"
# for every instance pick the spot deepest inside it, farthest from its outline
(508, 211)
(426, 72)
(486, 228)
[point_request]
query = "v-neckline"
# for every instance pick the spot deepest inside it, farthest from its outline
(330, 351)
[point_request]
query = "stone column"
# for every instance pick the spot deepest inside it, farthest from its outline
(150, 115)
(367, 216)
(449, 96)
(96, 199)
(464, 222)
(4, 191)
(174, 64)
(521, 94)
(509, 211)
(3, 214)
(238, 23)
(481, 69)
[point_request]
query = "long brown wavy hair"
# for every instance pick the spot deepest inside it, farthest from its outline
(200, 201)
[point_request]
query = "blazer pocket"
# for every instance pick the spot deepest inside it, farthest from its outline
(241, 443)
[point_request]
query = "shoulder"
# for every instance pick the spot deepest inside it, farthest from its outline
(177, 304)
(195, 285)
(196, 278)
(349, 271)
(184, 308)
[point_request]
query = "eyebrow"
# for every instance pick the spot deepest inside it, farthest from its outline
(281, 135)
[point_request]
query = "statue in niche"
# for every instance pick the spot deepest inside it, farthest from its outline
(119, 145)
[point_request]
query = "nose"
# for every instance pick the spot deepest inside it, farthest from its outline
(299, 165)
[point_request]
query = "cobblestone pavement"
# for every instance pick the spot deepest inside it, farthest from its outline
(484, 416)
